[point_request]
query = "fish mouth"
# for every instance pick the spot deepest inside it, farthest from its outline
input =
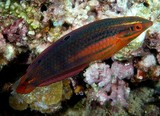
(146, 24)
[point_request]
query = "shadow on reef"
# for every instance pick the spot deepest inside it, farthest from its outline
(9, 74)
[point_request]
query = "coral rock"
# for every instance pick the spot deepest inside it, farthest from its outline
(147, 62)
(15, 31)
(107, 82)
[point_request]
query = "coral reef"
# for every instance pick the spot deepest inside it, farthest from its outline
(11, 39)
(44, 99)
(107, 83)
(15, 32)
(22, 10)
(137, 104)
(119, 87)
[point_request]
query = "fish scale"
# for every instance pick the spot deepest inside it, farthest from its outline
(68, 56)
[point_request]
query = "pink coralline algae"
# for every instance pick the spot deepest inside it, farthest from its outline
(107, 82)
(14, 32)
(122, 70)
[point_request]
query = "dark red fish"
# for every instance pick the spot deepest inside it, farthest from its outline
(73, 52)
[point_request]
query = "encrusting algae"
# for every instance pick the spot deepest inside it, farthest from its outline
(44, 99)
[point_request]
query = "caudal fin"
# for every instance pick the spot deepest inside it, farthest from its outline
(24, 87)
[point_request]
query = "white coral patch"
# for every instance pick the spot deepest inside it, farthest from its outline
(41, 105)
(40, 48)
(148, 61)
(9, 52)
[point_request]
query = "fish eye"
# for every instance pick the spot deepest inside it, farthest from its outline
(138, 27)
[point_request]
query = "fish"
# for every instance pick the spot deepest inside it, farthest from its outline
(74, 51)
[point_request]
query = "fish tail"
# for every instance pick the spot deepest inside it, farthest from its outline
(24, 87)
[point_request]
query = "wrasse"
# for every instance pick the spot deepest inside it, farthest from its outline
(68, 56)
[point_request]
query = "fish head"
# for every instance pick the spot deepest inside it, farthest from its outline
(133, 28)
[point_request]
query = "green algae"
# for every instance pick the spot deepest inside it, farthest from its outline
(23, 10)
